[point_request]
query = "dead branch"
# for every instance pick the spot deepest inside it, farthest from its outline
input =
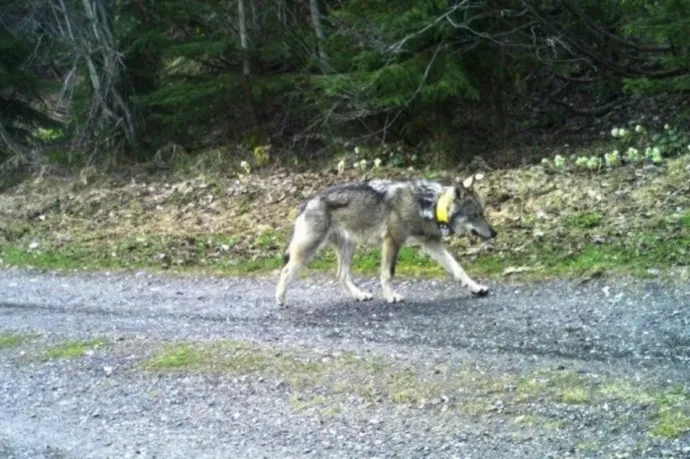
(570, 79)
(595, 111)
(88, 34)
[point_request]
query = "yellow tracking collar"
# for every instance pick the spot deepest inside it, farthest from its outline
(443, 205)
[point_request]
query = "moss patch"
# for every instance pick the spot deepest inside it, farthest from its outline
(72, 349)
(671, 423)
(11, 340)
(575, 396)
(177, 356)
(238, 358)
(684, 220)
(584, 220)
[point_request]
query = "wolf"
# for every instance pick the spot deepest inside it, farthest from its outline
(390, 213)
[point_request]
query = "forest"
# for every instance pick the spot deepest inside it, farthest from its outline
(102, 82)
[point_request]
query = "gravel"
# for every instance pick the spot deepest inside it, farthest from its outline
(103, 404)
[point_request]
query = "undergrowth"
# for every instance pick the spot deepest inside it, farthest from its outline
(630, 219)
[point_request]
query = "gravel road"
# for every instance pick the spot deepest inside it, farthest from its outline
(543, 370)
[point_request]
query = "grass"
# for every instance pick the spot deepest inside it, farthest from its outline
(72, 349)
(189, 254)
(627, 392)
(574, 396)
(270, 238)
(328, 382)
(179, 356)
(684, 220)
(12, 340)
(584, 220)
(671, 423)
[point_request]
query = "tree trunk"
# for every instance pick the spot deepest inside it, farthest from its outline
(244, 38)
(498, 82)
(246, 64)
(257, 19)
(318, 30)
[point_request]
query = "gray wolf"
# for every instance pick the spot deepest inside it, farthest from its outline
(387, 212)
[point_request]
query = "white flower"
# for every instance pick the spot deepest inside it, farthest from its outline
(341, 166)
(612, 159)
(357, 150)
(545, 161)
(362, 165)
(622, 132)
(653, 155)
(614, 132)
(593, 162)
(639, 129)
(633, 155)
(377, 163)
(666, 127)
(559, 161)
(246, 167)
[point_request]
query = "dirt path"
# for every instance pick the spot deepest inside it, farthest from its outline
(544, 370)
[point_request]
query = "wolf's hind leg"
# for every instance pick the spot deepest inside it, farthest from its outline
(345, 251)
(305, 243)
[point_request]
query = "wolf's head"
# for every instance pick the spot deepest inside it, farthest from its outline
(461, 209)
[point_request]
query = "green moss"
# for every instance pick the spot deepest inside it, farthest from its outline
(671, 423)
(684, 220)
(11, 340)
(574, 396)
(584, 220)
(177, 356)
(72, 349)
(269, 239)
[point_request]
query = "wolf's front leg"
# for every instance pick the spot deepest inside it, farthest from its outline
(441, 255)
(389, 257)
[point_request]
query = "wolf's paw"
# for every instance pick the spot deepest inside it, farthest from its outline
(395, 298)
(362, 296)
(479, 290)
(280, 303)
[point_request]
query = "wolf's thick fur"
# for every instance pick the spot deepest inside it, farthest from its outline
(387, 212)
